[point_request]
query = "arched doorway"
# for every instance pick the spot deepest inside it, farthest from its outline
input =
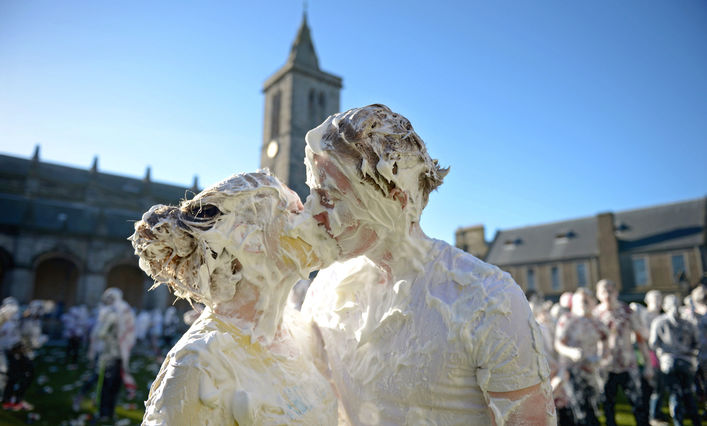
(5, 265)
(55, 279)
(129, 279)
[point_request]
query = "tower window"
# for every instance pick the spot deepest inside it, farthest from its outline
(322, 106)
(312, 107)
(275, 115)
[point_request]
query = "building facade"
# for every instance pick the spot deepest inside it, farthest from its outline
(660, 247)
(64, 230)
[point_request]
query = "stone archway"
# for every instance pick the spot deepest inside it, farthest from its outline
(130, 280)
(55, 279)
(5, 266)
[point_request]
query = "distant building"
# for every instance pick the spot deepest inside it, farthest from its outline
(298, 97)
(64, 230)
(660, 247)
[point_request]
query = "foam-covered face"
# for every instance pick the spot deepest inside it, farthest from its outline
(337, 204)
(670, 304)
(698, 294)
(606, 293)
(111, 295)
(653, 299)
(365, 169)
(231, 231)
(581, 304)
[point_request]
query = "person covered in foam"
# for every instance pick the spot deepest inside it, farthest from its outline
(239, 362)
(415, 330)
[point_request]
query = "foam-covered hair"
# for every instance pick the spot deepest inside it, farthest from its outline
(173, 251)
(386, 148)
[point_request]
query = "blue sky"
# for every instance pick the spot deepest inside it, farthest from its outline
(545, 110)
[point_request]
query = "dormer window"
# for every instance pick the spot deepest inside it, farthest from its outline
(621, 227)
(563, 237)
(510, 244)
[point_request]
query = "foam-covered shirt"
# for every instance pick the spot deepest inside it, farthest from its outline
(583, 333)
(621, 322)
(215, 375)
(426, 349)
(674, 338)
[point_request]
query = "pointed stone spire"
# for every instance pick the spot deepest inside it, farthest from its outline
(94, 166)
(195, 184)
(302, 52)
(148, 172)
(35, 156)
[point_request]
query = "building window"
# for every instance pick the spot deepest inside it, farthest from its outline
(677, 261)
(640, 271)
(581, 275)
(530, 279)
(555, 277)
(322, 106)
(275, 115)
(312, 107)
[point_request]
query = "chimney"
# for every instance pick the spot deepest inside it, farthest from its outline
(471, 240)
(609, 266)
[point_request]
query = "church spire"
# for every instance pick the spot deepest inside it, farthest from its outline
(302, 51)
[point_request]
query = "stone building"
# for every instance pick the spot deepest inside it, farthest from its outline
(63, 232)
(660, 247)
(298, 97)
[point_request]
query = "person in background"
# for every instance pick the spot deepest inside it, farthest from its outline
(652, 389)
(696, 313)
(142, 327)
(620, 361)
(170, 328)
(24, 340)
(155, 332)
(116, 332)
(578, 344)
(675, 341)
(75, 322)
(9, 337)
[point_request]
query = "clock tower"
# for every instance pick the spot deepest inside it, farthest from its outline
(298, 97)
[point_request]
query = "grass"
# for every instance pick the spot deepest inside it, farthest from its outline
(56, 383)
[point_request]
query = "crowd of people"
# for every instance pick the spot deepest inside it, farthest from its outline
(596, 343)
(104, 337)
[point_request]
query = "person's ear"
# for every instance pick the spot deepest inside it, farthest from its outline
(400, 196)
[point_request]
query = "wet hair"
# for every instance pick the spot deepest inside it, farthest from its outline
(374, 133)
(168, 238)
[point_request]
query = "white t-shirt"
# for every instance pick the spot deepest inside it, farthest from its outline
(424, 350)
(215, 375)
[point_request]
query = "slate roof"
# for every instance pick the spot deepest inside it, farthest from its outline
(662, 227)
(553, 241)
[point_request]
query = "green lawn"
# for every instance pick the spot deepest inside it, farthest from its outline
(56, 384)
